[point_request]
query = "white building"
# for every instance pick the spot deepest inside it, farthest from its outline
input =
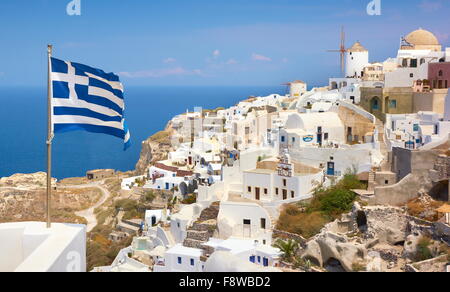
(31, 247)
(248, 250)
(280, 181)
(297, 88)
(245, 220)
(412, 131)
(153, 217)
(418, 49)
(312, 129)
(180, 259)
(130, 182)
(356, 58)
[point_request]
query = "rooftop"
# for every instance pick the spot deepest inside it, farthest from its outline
(179, 249)
(31, 247)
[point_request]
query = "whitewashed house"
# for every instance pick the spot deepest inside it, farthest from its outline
(280, 181)
(180, 259)
(248, 250)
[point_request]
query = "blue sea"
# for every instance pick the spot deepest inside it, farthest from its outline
(23, 130)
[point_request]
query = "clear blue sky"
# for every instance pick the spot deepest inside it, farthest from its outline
(197, 42)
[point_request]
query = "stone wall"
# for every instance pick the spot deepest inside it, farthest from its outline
(413, 171)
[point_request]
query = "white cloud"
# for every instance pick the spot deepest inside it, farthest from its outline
(169, 60)
(158, 73)
(258, 57)
(216, 54)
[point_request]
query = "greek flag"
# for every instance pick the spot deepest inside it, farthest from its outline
(85, 98)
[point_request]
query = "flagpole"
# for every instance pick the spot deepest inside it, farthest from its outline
(49, 137)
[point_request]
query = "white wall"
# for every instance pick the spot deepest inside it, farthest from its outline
(355, 63)
(231, 221)
(30, 247)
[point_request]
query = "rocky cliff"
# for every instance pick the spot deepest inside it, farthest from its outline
(155, 148)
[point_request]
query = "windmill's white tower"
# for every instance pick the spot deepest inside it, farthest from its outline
(357, 57)
(297, 88)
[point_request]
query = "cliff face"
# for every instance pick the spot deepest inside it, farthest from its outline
(145, 158)
(155, 148)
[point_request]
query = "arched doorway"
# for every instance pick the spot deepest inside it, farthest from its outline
(333, 265)
(375, 104)
(361, 221)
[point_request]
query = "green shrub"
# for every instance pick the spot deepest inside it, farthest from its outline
(423, 252)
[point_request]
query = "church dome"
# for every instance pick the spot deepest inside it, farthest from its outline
(422, 37)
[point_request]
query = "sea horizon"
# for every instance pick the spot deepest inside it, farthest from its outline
(149, 109)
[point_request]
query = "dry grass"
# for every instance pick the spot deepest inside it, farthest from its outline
(162, 137)
(293, 220)
(425, 211)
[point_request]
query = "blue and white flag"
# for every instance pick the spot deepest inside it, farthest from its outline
(85, 98)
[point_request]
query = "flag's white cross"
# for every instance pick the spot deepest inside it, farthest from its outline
(71, 78)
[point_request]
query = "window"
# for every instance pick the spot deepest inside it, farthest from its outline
(263, 223)
(404, 63)
(283, 139)
(180, 261)
(265, 262)
(413, 63)
(259, 259)
(249, 189)
(386, 182)
(284, 182)
(293, 139)
(393, 103)
(440, 73)
(247, 222)
(325, 136)
(292, 194)
(266, 191)
(411, 75)
(416, 127)
(276, 191)
(192, 262)
(252, 259)
(422, 61)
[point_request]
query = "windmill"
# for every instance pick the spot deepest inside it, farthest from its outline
(342, 50)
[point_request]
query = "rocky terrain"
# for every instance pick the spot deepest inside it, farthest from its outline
(22, 198)
(378, 238)
(154, 149)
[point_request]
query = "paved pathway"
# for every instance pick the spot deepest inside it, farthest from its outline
(89, 214)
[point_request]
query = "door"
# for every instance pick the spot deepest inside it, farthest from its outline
(257, 194)
(330, 168)
(349, 134)
(263, 223)
(285, 193)
(247, 228)
(319, 139)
